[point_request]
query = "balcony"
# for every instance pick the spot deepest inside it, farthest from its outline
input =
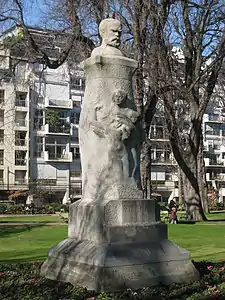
(20, 103)
(213, 162)
(20, 162)
(64, 129)
(213, 132)
(1, 122)
(217, 118)
(217, 177)
(53, 103)
(21, 123)
(163, 161)
(20, 142)
(60, 157)
(159, 136)
(20, 181)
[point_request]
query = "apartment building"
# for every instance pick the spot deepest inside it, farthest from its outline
(214, 142)
(39, 116)
(164, 171)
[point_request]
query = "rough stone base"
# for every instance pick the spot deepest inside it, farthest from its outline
(117, 266)
(115, 245)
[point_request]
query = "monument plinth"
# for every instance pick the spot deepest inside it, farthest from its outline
(115, 238)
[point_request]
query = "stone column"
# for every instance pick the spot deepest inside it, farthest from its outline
(104, 173)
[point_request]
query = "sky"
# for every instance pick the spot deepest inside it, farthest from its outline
(33, 11)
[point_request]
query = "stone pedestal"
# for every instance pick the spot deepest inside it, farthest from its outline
(119, 244)
(115, 239)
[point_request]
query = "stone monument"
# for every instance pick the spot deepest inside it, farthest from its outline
(115, 238)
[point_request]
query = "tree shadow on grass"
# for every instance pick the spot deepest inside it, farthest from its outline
(11, 229)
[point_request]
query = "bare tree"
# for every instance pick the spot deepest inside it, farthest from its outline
(198, 29)
(185, 78)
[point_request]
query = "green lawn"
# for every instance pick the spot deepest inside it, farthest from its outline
(31, 218)
(31, 243)
(205, 241)
(216, 216)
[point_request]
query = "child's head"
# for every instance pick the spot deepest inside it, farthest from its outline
(119, 97)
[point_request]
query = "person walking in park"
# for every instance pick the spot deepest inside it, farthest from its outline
(173, 211)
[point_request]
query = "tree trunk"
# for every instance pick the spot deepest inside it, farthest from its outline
(180, 187)
(202, 178)
(193, 202)
(145, 169)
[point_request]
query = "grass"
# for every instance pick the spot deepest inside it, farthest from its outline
(31, 218)
(29, 243)
(217, 216)
(205, 241)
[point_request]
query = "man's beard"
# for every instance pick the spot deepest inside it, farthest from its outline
(114, 43)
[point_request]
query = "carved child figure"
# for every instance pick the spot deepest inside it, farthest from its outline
(119, 117)
(116, 124)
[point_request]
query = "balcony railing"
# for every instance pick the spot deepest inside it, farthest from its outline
(58, 129)
(214, 118)
(158, 135)
(212, 132)
(52, 156)
(21, 122)
(20, 142)
(20, 181)
(20, 103)
(163, 160)
(20, 162)
(213, 162)
(218, 177)
(58, 103)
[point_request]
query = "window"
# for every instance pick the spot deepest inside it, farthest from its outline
(1, 157)
(20, 176)
(76, 104)
(2, 96)
(38, 146)
(1, 117)
(1, 137)
(38, 119)
(1, 176)
(20, 138)
(63, 115)
(20, 158)
(20, 118)
(75, 118)
(75, 173)
(21, 99)
(76, 153)
(77, 83)
(56, 151)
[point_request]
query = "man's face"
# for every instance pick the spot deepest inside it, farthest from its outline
(112, 34)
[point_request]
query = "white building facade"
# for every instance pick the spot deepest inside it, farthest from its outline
(39, 117)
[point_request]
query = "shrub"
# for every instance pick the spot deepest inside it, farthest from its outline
(17, 209)
(23, 281)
